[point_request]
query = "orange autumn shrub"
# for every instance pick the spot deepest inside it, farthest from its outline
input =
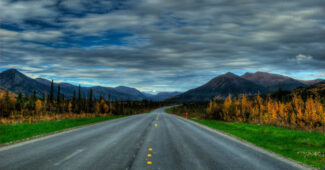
(296, 113)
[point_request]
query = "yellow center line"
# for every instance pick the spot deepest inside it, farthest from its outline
(149, 155)
(157, 117)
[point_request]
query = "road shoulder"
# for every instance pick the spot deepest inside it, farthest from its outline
(9, 145)
(250, 145)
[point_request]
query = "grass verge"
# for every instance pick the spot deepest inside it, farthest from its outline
(302, 146)
(10, 133)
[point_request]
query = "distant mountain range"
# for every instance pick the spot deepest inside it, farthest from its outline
(217, 88)
(161, 95)
(272, 82)
(17, 82)
(249, 83)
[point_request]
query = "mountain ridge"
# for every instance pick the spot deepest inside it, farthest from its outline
(18, 82)
(250, 83)
(219, 88)
(273, 81)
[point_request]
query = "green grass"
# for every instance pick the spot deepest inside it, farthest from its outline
(9, 133)
(306, 147)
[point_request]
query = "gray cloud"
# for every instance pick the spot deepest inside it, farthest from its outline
(180, 44)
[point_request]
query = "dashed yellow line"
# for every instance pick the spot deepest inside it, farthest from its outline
(157, 117)
(149, 155)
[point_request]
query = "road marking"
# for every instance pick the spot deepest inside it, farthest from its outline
(157, 117)
(69, 157)
(149, 162)
(150, 149)
(156, 124)
(149, 155)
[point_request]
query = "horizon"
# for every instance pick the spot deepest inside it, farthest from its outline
(121, 85)
(161, 45)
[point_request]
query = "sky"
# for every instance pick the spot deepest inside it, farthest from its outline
(161, 45)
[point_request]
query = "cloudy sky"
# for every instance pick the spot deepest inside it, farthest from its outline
(161, 45)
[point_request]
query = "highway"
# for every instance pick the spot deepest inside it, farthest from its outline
(155, 140)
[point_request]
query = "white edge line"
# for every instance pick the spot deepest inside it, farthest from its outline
(251, 145)
(50, 135)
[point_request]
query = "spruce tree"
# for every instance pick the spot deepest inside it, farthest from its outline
(58, 99)
(74, 102)
(19, 102)
(84, 103)
(90, 101)
(7, 104)
(79, 99)
(34, 96)
(51, 92)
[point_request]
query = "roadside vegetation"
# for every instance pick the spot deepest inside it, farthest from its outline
(305, 147)
(17, 108)
(293, 126)
(297, 113)
(23, 117)
(14, 132)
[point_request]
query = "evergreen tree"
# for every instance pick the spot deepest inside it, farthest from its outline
(79, 100)
(58, 100)
(90, 101)
(6, 108)
(84, 103)
(73, 104)
(51, 92)
(34, 97)
(58, 97)
(19, 102)
(31, 101)
(48, 103)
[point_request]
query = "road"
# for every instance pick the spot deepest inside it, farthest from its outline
(171, 142)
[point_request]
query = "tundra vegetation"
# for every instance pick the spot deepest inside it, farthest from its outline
(296, 113)
(292, 127)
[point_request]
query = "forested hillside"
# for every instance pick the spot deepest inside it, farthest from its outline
(20, 108)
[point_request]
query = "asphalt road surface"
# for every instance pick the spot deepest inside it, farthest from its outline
(147, 141)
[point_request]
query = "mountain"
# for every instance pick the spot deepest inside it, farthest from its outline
(117, 93)
(17, 82)
(272, 82)
(131, 91)
(219, 88)
(311, 82)
(43, 81)
(161, 95)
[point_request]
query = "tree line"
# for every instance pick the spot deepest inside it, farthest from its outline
(16, 108)
(308, 114)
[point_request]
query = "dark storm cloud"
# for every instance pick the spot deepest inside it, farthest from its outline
(155, 44)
